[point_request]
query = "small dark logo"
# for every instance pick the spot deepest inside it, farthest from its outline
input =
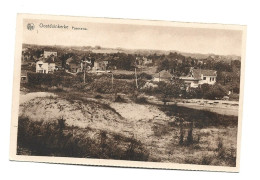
(30, 26)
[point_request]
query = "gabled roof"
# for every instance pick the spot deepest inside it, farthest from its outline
(163, 74)
(197, 73)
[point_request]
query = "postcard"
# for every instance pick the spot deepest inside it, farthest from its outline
(128, 93)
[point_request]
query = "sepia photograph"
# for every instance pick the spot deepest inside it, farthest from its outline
(128, 93)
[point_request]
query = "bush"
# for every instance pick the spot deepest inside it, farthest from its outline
(124, 76)
(120, 99)
(234, 97)
(145, 76)
(98, 96)
(79, 86)
(141, 100)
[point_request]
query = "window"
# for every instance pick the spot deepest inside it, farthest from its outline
(204, 78)
(213, 79)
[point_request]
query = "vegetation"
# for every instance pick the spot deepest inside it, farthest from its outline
(57, 139)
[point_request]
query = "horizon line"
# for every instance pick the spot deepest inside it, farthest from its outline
(177, 51)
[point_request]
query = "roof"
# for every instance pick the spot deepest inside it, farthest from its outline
(163, 74)
(197, 73)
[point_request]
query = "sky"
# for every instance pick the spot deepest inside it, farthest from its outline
(132, 36)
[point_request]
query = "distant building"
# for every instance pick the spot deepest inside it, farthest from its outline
(200, 76)
(47, 54)
(162, 76)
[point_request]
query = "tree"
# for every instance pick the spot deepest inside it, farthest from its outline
(169, 90)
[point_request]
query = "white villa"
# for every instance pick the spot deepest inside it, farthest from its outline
(46, 68)
(200, 76)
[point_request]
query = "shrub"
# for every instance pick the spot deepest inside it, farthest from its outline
(234, 97)
(98, 96)
(120, 99)
(145, 76)
(206, 160)
(141, 100)
(124, 76)
(79, 86)
(190, 136)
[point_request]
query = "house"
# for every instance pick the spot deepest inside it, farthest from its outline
(45, 67)
(42, 67)
(200, 76)
(47, 54)
(162, 76)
